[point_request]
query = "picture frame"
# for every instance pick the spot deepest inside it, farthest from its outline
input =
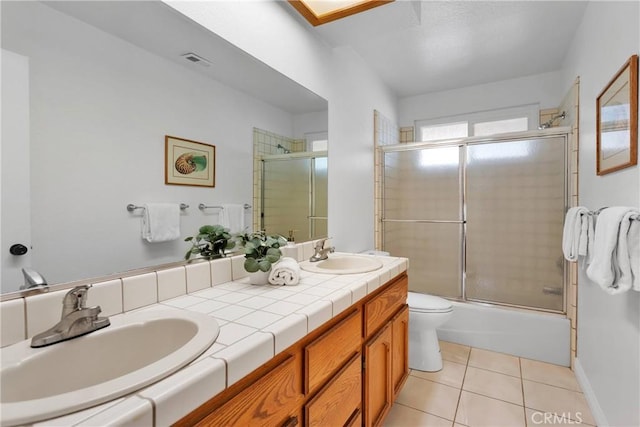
(189, 162)
(617, 120)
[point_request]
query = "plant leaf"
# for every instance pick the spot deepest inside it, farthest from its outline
(251, 265)
(264, 265)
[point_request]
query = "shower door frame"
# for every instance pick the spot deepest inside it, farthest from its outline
(562, 132)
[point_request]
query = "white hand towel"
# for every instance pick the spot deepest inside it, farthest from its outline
(575, 234)
(633, 240)
(285, 272)
(610, 267)
(232, 217)
(628, 253)
(161, 222)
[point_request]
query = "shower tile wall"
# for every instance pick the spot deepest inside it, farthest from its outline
(406, 134)
(265, 142)
(385, 132)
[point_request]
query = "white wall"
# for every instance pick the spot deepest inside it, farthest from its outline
(608, 345)
(15, 207)
(543, 89)
(339, 75)
(100, 108)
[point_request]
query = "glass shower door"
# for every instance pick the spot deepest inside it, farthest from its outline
(515, 203)
(422, 216)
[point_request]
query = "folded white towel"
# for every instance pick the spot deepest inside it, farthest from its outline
(577, 235)
(285, 272)
(232, 217)
(161, 222)
(612, 267)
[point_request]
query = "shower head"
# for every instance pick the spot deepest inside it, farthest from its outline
(285, 150)
(549, 122)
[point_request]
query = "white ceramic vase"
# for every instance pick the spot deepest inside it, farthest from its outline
(259, 277)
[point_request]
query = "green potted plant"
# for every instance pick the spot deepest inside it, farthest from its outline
(261, 251)
(210, 242)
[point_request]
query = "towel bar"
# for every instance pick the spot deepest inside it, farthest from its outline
(202, 206)
(131, 207)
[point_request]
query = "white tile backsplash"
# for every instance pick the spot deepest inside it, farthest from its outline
(12, 322)
(43, 311)
(198, 276)
(237, 268)
(220, 271)
(108, 295)
(172, 283)
(138, 291)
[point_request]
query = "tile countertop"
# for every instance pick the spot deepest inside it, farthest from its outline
(256, 323)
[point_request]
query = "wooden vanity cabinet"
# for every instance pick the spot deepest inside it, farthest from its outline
(348, 372)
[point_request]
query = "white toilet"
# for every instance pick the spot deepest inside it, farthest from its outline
(426, 313)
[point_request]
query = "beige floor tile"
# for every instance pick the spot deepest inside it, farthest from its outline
(548, 419)
(451, 374)
(436, 399)
(453, 352)
(481, 411)
(493, 361)
(493, 384)
(547, 373)
(557, 400)
(404, 416)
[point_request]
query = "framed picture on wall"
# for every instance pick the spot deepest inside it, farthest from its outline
(189, 162)
(617, 121)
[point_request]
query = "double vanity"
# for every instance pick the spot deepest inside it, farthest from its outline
(331, 350)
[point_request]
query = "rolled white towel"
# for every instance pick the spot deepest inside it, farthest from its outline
(577, 232)
(285, 272)
(613, 264)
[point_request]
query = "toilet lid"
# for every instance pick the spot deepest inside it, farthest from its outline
(430, 303)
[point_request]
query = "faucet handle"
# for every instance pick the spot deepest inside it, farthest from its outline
(75, 299)
(321, 242)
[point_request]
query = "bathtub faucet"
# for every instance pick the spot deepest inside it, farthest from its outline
(77, 319)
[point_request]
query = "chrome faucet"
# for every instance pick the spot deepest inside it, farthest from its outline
(77, 319)
(320, 252)
(32, 279)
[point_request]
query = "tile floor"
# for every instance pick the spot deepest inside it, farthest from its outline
(483, 388)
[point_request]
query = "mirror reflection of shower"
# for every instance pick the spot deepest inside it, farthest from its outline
(549, 123)
(290, 185)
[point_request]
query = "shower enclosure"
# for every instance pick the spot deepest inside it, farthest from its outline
(480, 219)
(294, 194)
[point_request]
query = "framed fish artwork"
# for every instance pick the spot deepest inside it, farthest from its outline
(189, 162)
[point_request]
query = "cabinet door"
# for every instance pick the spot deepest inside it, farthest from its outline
(377, 377)
(272, 400)
(400, 358)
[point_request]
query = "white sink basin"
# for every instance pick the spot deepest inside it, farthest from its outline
(135, 351)
(343, 264)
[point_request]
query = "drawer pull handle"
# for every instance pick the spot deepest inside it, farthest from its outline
(291, 422)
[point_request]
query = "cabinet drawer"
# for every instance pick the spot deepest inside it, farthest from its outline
(381, 308)
(326, 354)
(340, 400)
(269, 401)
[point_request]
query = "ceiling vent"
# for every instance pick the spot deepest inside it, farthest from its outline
(196, 59)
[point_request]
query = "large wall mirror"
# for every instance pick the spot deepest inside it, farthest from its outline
(89, 91)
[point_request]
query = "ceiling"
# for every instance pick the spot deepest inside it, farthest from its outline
(229, 65)
(425, 46)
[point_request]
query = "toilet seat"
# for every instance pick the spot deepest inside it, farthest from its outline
(423, 303)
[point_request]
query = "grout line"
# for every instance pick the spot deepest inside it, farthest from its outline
(462, 386)
(524, 410)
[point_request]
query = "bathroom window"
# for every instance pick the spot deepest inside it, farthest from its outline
(482, 123)
(317, 141)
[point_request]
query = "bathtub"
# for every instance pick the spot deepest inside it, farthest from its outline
(532, 335)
